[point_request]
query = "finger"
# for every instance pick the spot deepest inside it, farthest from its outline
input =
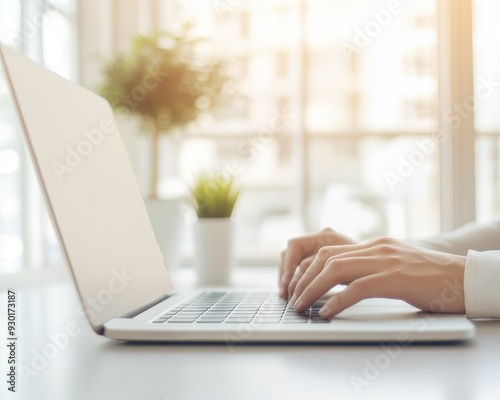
(280, 269)
(297, 250)
(314, 269)
(323, 256)
(336, 271)
(293, 282)
(305, 246)
(377, 285)
(303, 266)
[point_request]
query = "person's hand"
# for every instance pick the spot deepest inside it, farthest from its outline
(388, 268)
(300, 253)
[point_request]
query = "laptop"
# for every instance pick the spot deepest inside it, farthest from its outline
(99, 216)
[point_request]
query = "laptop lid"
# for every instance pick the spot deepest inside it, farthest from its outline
(90, 191)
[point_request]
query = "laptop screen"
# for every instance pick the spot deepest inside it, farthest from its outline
(90, 191)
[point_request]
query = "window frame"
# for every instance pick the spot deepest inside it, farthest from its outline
(456, 84)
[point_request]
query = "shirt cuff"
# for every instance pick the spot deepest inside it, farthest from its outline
(482, 284)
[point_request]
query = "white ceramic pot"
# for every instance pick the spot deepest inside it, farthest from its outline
(169, 227)
(213, 242)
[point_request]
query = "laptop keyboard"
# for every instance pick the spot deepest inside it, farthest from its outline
(238, 307)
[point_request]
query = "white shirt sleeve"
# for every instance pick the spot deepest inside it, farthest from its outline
(469, 237)
(482, 284)
(482, 267)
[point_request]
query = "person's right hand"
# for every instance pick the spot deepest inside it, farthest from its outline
(299, 254)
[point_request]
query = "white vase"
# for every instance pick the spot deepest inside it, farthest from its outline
(169, 227)
(213, 242)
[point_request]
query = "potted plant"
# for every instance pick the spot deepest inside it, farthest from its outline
(214, 197)
(166, 83)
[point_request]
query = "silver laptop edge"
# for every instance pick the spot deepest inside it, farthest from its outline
(58, 120)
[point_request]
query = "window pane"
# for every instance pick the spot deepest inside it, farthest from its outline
(45, 30)
(381, 81)
(375, 186)
(11, 228)
(10, 22)
(487, 103)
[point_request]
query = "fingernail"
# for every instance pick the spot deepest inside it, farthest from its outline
(326, 310)
(292, 300)
(297, 304)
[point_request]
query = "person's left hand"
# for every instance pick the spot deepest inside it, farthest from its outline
(427, 279)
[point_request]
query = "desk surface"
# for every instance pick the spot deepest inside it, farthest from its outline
(86, 366)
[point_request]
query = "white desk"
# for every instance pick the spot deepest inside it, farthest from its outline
(90, 367)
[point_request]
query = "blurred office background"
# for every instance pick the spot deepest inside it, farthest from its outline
(380, 139)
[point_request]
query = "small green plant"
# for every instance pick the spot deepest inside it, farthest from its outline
(214, 195)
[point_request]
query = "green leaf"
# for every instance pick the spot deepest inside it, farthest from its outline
(214, 194)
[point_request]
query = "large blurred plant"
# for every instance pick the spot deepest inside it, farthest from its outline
(165, 82)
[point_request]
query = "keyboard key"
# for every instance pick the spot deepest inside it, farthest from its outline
(163, 318)
(236, 312)
(217, 313)
(294, 321)
(264, 316)
(180, 321)
(238, 320)
(267, 316)
(210, 320)
(266, 320)
(319, 321)
(264, 312)
(296, 314)
(189, 312)
(244, 316)
(296, 317)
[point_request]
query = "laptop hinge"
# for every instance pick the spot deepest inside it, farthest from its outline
(136, 311)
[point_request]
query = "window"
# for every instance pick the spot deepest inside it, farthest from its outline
(487, 119)
(44, 31)
(337, 121)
